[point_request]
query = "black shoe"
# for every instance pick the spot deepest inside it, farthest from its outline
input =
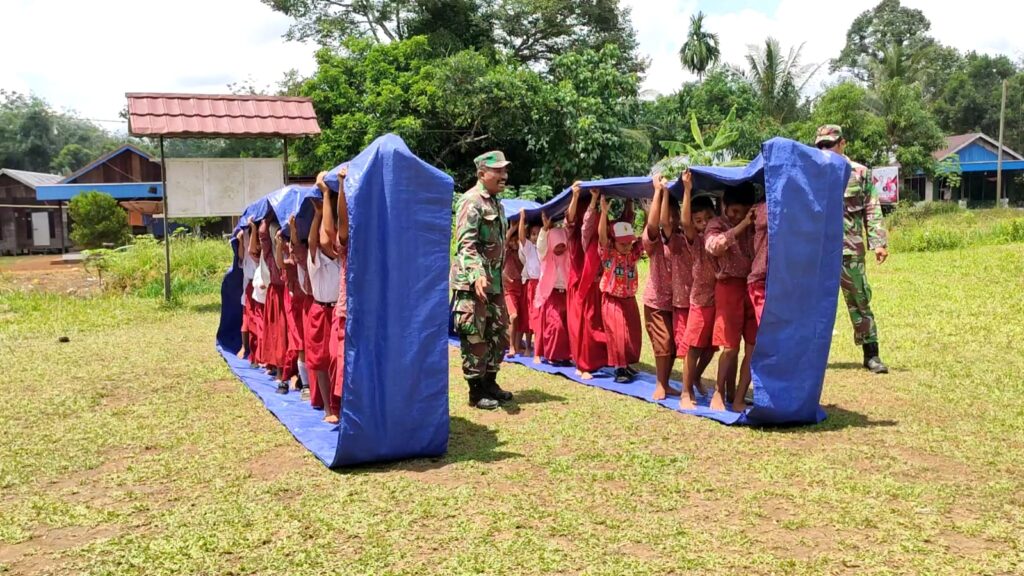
(478, 396)
(872, 361)
(622, 376)
(495, 391)
(282, 387)
(632, 371)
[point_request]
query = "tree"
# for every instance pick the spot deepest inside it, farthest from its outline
(848, 105)
(882, 28)
(71, 158)
(97, 219)
(778, 79)
(911, 129)
(700, 51)
(533, 32)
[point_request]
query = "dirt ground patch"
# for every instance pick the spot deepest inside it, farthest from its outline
(47, 274)
(277, 462)
(36, 554)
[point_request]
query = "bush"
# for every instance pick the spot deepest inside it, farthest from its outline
(940, 226)
(97, 220)
(197, 266)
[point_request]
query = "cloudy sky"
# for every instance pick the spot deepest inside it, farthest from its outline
(85, 55)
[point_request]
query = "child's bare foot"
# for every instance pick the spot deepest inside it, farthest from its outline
(687, 403)
(717, 403)
(586, 376)
(331, 419)
(673, 392)
(659, 392)
(739, 405)
(536, 359)
(241, 353)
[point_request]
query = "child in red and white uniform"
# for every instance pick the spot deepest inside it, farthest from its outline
(512, 282)
(730, 241)
(553, 335)
(530, 258)
(299, 254)
(248, 272)
(324, 277)
(260, 281)
(619, 282)
(658, 305)
(697, 333)
(335, 232)
(759, 266)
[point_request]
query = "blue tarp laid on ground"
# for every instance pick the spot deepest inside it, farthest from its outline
(396, 359)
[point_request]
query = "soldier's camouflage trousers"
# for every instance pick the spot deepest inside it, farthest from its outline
(857, 293)
(483, 332)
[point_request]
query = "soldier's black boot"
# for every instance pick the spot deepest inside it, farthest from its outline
(494, 390)
(478, 396)
(872, 361)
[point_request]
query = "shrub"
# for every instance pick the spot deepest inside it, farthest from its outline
(97, 220)
(197, 266)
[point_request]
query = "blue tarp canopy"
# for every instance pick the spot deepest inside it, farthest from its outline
(804, 191)
(396, 348)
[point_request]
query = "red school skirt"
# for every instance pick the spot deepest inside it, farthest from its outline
(554, 330)
(275, 328)
(533, 315)
(622, 329)
(318, 337)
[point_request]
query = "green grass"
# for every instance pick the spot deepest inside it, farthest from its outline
(197, 266)
(133, 450)
(944, 226)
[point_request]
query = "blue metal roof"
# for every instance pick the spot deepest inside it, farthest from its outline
(126, 191)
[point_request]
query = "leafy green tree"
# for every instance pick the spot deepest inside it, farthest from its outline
(886, 26)
(71, 158)
(849, 105)
(97, 219)
(701, 50)
(778, 79)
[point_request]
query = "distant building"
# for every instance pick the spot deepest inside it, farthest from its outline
(28, 225)
(978, 157)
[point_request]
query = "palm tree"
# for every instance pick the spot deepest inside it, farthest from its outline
(778, 79)
(700, 51)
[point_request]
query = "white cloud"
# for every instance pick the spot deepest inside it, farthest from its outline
(86, 55)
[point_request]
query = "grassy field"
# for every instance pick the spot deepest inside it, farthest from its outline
(133, 450)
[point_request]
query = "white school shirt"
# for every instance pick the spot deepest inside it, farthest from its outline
(302, 278)
(324, 276)
(260, 282)
(530, 259)
(248, 271)
(542, 249)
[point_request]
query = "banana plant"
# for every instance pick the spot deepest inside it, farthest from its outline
(682, 155)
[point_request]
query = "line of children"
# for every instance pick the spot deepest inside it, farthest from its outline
(295, 300)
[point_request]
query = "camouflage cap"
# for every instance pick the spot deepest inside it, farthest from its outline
(828, 134)
(492, 159)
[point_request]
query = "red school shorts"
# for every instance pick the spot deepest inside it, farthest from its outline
(660, 331)
(337, 351)
(700, 326)
(533, 315)
(757, 295)
(514, 301)
(680, 317)
(734, 314)
(318, 337)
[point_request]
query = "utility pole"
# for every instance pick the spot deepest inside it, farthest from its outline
(999, 161)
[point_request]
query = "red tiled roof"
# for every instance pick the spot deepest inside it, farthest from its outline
(220, 116)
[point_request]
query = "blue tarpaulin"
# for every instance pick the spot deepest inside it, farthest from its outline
(804, 192)
(396, 359)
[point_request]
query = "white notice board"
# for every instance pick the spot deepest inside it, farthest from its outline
(201, 187)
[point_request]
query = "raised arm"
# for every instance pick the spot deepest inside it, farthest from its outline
(719, 241)
(522, 226)
(602, 225)
(314, 231)
(328, 235)
(254, 241)
(279, 249)
(687, 210)
(240, 247)
(570, 216)
(342, 208)
(666, 212)
(651, 230)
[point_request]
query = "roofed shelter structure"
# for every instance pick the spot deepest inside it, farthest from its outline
(978, 158)
(27, 224)
(159, 115)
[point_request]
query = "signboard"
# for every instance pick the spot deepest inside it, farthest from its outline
(201, 187)
(887, 181)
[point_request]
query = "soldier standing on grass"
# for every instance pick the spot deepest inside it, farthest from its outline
(481, 318)
(862, 225)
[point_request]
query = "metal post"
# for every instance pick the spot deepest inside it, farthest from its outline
(63, 229)
(999, 161)
(167, 226)
(285, 140)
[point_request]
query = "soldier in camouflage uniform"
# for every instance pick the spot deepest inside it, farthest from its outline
(862, 224)
(481, 318)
